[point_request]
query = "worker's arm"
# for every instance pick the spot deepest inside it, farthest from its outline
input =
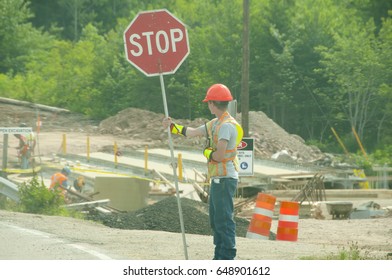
(65, 184)
(226, 133)
(192, 132)
(219, 154)
(180, 129)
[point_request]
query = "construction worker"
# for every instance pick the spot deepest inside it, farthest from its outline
(78, 184)
(26, 147)
(223, 136)
(60, 179)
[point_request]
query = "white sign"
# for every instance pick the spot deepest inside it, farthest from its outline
(245, 157)
(15, 130)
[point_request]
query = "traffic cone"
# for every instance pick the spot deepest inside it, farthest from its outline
(288, 221)
(260, 224)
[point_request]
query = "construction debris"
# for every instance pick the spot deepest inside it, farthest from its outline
(87, 205)
(368, 210)
(313, 191)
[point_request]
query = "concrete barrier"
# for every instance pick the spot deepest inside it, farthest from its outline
(125, 194)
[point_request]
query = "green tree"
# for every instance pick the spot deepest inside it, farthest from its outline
(73, 15)
(355, 68)
(18, 39)
(215, 52)
(384, 121)
(283, 83)
(313, 64)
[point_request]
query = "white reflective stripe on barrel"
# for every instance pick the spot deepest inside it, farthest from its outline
(264, 212)
(288, 218)
(253, 235)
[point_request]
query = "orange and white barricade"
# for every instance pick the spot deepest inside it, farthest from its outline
(260, 224)
(288, 221)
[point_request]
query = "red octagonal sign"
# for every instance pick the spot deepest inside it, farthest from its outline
(156, 42)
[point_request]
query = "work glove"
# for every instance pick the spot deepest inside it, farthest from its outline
(177, 129)
(208, 153)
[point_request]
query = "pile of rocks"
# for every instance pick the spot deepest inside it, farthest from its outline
(163, 216)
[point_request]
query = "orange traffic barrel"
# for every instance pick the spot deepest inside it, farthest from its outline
(260, 224)
(288, 221)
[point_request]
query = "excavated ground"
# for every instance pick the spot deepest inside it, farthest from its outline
(136, 127)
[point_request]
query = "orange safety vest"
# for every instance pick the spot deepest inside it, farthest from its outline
(58, 179)
(220, 168)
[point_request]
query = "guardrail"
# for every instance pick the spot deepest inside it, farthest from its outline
(9, 189)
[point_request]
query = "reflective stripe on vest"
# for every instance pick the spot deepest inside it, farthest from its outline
(220, 168)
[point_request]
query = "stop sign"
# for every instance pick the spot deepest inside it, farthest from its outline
(156, 42)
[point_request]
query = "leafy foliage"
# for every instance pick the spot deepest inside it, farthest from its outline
(312, 66)
(34, 197)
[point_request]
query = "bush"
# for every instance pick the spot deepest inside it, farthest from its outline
(383, 156)
(4, 203)
(35, 198)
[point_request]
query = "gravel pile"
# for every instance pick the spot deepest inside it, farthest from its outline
(163, 216)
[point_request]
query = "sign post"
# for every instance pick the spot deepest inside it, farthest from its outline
(10, 130)
(156, 43)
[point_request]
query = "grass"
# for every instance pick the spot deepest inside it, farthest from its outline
(352, 252)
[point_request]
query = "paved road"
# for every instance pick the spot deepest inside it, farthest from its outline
(18, 243)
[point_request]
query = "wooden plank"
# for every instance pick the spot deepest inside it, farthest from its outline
(86, 198)
(89, 204)
(164, 178)
(200, 190)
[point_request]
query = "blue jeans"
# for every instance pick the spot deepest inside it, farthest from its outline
(221, 212)
(24, 162)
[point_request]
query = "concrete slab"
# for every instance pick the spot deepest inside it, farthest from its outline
(125, 194)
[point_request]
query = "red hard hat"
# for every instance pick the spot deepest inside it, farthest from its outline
(218, 92)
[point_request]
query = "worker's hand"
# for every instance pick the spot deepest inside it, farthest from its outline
(174, 128)
(208, 153)
(177, 129)
(166, 122)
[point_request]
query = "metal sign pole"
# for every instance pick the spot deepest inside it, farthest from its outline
(173, 164)
(5, 151)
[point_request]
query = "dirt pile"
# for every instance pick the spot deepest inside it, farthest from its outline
(269, 137)
(139, 126)
(163, 216)
(13, 115)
